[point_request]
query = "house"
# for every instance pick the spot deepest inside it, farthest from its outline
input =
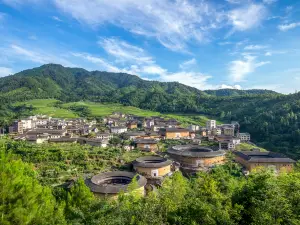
(149, 145)
(203, 133)
(194, 128)
(216, 131)
(96, 142)
(118, 130)
(211, 124)
(16, 127)
(227, 142)
(104, 136)
(135, 135)
(252, 160)
(63, 140)
(51, 134)
(228, 130)
(244, 137)
(148, 123)
(175, 133)
(132, 125)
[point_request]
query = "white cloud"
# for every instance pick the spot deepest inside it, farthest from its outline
(98, 61)
(188, 64)
(247, 17)
(225, 86)
(124, 51)
(36, 56)
(18, 3)
(270, 53)
(172, 23)
(255, 47)
(193, 79)
(33, 37)
(286, 27)
(239, 69)
(269, 1)
(5, 71)
(234, 1)
(56, 18)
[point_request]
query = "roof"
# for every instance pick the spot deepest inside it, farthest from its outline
(177, 130)
(107, 183)
(244, 134)
(194, 151)
(46, 131)
(145, 141)
(63, 139)
(263, 157)
(152, 162)
(118, 128)
(135, 133)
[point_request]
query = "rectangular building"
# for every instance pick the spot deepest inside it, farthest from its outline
(251, 160)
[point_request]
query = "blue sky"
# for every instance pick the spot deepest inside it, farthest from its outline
(205, 44)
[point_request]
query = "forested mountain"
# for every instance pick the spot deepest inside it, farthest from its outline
(271, 118)
(236, 92)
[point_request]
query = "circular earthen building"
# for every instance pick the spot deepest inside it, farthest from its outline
(111, 183)
(194, 158)
(154, 167)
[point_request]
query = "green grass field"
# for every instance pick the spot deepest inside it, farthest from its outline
(46, 107)
(248, 147)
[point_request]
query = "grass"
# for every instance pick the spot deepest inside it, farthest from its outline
(248, 147)
(46, 107)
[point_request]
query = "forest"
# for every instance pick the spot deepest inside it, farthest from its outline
(222, 196)
(271, 118)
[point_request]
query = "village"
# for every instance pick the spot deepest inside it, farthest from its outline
(201, 147)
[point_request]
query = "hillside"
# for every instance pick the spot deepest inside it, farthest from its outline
(272, 119)
(236, 92)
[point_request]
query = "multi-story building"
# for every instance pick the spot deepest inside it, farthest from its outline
(118, 130)
(228, 130)
(244, 137)
(211, 124)
(16, 127)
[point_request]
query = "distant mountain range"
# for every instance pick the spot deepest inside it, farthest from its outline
(71, 84)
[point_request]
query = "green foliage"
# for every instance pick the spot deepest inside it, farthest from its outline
(23, 199)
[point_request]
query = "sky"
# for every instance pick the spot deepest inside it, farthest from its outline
(213, 44)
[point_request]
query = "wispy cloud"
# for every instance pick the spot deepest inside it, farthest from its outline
(5, 71)
(172, 23)
(256, 47)
(188, 64)
(37, 56)
(56, 18)
(123, 51)
(247, 17)
(269, 1)
(239, 69)
(286, 27)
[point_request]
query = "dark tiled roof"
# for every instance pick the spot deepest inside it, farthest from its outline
(261, 157)
(177, 130)
(45, 131)
(152, 162)
(194, 151)
(97, 183)
(145, 141)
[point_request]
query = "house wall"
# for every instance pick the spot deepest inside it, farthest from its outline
(173, 135)
(288, 167)
(199, 162)
(152, 147)
(148, 171)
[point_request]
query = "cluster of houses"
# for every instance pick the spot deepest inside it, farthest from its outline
(144, 133)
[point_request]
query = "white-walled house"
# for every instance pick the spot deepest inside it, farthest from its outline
(118, 130)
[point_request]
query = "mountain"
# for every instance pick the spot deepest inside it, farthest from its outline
(272, 119)
(236, 92)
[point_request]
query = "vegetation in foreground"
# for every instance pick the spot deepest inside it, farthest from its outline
(222, 196)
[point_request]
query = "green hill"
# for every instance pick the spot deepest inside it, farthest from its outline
(272, 119)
